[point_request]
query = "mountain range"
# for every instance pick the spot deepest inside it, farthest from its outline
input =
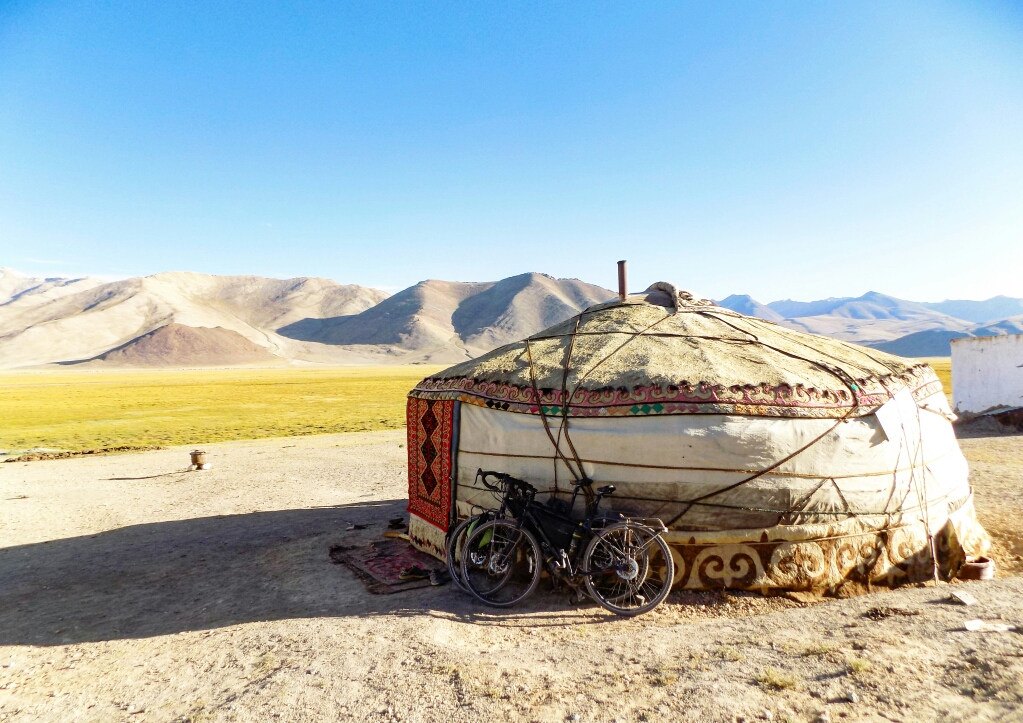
(183, 319)
(193, 319)
(897, 326)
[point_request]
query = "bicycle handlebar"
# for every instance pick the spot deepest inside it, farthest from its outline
(504, 480)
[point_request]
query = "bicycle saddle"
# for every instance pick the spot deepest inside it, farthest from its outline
(606, 490)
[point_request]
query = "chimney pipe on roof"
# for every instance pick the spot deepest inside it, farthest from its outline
(623, 281)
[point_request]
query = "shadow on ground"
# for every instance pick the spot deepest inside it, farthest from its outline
(986, 427)
(197, 574)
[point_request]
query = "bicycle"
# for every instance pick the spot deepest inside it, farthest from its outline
(624, 564)
(456, 538)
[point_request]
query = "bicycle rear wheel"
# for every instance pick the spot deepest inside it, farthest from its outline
(501, 563)
(456, 543)
(630, 568)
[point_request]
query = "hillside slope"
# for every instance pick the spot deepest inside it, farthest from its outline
(18, 290)
(993, 309)
(746, 304)
(451, 321)
(134, 321)
(177, 345)
(938, 342)
(933, 342)
(41, 326)
(869, 319)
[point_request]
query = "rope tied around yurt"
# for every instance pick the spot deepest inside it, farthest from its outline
(546, 424)
(565, 405)
(689, 503)
(690, 305)
(845, 379)
(563, 427)
(917, 485)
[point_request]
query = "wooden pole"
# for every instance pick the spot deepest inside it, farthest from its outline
(623, 281)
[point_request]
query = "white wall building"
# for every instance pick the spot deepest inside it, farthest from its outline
(987, 372)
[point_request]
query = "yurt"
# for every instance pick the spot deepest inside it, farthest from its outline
(777, 459)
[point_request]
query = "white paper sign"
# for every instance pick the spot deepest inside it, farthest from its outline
(900, 420)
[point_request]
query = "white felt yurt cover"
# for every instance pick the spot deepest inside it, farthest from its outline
(778, 459)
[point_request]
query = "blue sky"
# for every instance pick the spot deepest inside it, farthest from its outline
(782, 150)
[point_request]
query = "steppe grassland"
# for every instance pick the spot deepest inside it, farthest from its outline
(942, 366)
(76, 410)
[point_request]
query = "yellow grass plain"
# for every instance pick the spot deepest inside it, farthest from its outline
(942, 366)
(74, 410)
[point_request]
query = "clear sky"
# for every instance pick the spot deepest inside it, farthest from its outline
(783, 150)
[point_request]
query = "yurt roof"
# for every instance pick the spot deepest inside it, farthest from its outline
(665, 351)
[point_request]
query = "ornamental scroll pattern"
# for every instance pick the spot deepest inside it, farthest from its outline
(888, 557)
(684, 398)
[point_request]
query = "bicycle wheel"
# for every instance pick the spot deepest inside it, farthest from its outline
(501, 563)
(456, 543)
(631, 568)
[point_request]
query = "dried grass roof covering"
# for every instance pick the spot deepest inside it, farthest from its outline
(648, 355)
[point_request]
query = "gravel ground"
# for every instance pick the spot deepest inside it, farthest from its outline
(133, 590)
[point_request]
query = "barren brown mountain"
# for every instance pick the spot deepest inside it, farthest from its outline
(177, 345)
(452, 321)
(43, 321)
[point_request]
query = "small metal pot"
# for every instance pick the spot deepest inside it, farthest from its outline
(977, 568)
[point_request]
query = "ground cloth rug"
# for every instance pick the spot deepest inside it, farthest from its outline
(378, 564)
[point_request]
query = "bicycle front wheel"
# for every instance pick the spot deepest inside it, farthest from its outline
(501, 563)
(630, 568)
(456, 544)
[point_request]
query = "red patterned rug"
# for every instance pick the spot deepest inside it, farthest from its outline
(430, 425)
(378, 564)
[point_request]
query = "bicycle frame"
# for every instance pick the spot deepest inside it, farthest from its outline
(557, 559)
(532, 536)
(568, 558)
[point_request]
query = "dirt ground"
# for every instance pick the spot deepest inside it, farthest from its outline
(132, 590)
